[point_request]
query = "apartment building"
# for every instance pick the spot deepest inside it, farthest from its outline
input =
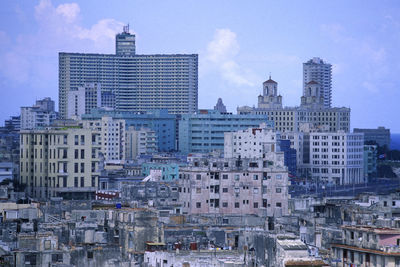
(40, 115)
(370, 246)
(137, 83)
(319, 71)
(204, 131)
(141, 141)
(60, 162)
(83, 100)
(235, 186)
(112, 137)
(160, 121)
(251, 143)
(336, 158)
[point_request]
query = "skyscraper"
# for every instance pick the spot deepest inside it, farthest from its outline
(321, 72)
(138, 83)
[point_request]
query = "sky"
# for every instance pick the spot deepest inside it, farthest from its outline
(240, 43)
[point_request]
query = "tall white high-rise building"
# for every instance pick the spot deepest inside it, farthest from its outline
(132, 82)
(321, 72)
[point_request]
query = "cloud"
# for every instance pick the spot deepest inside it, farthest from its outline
(221, 53)
(59, 28)
(69, 11)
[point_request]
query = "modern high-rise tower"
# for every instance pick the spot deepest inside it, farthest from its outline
(321, 72)
(138, 83)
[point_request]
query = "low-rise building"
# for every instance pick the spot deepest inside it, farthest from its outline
(367, 246)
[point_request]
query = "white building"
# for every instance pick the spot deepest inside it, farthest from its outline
(40, 115)
(112, 137)
(312, 110)
(83, 100)
(250, 143)
(140, 142)
(336, 158)
(321, 72)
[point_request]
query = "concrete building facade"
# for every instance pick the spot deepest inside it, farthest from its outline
(139, 83)
(235, 186)
(112, 137)
(321, 72)
(204, 132)
(83, 100)
(160, 121)
(290, 119)
(336, 158)
(39, 115)
(60, 162)
(140, 142)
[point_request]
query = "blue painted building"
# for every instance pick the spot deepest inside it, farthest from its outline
(289, 156)
(204, 131)
(160, 121)
(170, 171)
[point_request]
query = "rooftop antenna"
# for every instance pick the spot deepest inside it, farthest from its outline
(270, 75)
(126, 28)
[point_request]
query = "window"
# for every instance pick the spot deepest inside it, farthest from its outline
(76, 139)
(198, 190)
(82, 167)
(82, 140)
(237, 177)
(198, 176)
(255, 190)
(82, 153)
(278, 204)
(82, 182)
(225, 190)
(236, 205)
(255, 205)
(255, 177)
(76, 181)
(278, 190)
(198, 205)
(76, 153)
(225, 176)
(225, 204)
(76, 167)
(278, 176)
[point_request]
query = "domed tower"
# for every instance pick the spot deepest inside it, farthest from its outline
(312, 97)
(270, 98)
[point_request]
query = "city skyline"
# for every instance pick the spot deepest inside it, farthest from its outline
(237, 51)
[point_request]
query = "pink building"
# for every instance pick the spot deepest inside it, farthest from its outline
(234, 186)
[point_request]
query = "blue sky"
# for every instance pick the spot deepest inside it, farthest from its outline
(239, 43)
